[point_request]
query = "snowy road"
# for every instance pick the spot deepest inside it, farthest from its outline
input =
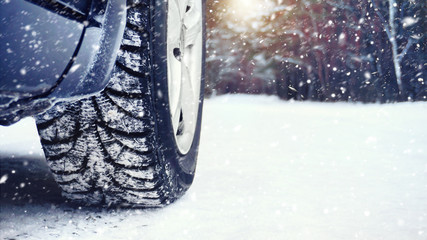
(267, 170)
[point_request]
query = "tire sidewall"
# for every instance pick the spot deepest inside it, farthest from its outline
(183, 165)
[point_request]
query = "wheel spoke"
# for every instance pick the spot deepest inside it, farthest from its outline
(187, 103)
(174, 23)
(176, 117)
(182, 6)
(192, 24)
(175, 84)
(187, 93)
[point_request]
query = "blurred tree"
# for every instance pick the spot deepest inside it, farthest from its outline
(402, 37)
(326, 50)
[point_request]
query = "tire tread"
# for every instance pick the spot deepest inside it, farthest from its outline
(108, 154)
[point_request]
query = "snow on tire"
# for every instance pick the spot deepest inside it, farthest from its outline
(121, 146)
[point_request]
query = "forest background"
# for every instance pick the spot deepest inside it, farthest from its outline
(318, 50)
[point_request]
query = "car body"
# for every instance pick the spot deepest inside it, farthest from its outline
(55, 50)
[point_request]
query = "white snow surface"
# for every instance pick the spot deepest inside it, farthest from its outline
(267, 169)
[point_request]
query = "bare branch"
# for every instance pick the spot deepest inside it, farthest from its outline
(405, 50)
(384, 22)
(341, 6)
(295, 32)
(289, 60)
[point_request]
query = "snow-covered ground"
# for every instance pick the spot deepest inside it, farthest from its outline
(267, 170)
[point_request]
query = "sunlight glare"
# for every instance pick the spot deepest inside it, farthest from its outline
(244, 9)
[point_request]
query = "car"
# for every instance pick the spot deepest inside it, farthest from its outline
(116, 88)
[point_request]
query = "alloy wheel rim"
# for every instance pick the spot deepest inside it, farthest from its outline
(184, 63)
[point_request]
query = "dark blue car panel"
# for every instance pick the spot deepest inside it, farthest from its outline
(36, 47)
(54, 51)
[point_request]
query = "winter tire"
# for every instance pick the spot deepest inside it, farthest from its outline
(136, 142)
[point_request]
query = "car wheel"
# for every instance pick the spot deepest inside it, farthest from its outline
(136, 142)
